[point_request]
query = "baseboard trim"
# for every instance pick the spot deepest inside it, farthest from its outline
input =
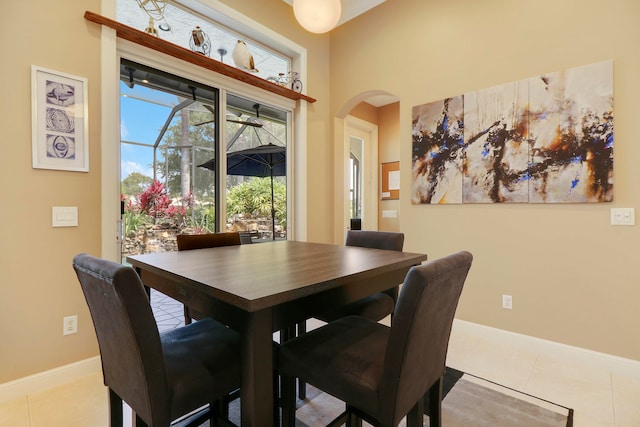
(584, 356)
(22, 387)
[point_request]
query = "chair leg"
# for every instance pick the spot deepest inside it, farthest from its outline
(285, 335)
(341, 419)
(218, 409)
(288, 399)
(139, 422)
(187, 316)
(435, 404)
(415, 417)
(302, 386)
(353, 420)
(115, 409)
(277, 398)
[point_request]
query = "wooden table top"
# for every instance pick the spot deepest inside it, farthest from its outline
(256, 276)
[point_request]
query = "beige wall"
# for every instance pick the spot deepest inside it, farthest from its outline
(573, 277)
(38, 286)
(389, 151)
(366, 112)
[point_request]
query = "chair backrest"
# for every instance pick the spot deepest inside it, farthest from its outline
(208, 240)
(375, 239)
(246, 238)
(387, 240)
(132, 359)
(417, 348)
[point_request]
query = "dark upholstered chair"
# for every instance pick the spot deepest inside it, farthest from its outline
(383, 373)
(375, 307)
(201, 241)
(380, 305)
(208, 240)
(162, 377)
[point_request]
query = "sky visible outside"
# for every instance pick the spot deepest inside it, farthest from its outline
(141, 122)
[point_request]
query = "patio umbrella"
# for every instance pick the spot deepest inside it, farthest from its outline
(261, 161)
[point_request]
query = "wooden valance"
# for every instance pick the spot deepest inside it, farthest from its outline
(163, 46)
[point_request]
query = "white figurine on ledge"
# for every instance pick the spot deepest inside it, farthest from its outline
(243, 58)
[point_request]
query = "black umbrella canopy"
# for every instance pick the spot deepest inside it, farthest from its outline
(261, 161)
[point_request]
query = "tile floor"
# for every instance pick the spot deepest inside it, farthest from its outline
(599, 397)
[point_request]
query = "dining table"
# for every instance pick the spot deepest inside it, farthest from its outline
(258, 289)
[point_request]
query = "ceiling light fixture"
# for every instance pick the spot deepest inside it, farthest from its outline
(317, 16)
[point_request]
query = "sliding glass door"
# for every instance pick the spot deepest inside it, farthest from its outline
(170, 171)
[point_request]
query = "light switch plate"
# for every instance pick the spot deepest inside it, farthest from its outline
(390, 214)
(64, 216)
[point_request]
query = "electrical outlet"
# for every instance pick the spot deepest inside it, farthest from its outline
(507, 302)
(70, 325)
(623, 216)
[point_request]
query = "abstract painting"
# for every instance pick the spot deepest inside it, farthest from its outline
(438, 149)
(547, 139)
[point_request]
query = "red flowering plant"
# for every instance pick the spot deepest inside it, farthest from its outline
(156, 203)
(154, 200)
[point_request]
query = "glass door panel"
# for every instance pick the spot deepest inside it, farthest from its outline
(168, 131)
(256, 169)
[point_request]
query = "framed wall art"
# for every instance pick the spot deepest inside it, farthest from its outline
(59, 120)
(390, 181)
(543, 139)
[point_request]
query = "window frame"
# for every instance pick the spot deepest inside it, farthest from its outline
(113, 49)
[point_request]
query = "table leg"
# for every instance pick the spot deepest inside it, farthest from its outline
(257, 370)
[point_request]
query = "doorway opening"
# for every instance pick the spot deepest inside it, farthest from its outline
(355, 182)
(361, 175)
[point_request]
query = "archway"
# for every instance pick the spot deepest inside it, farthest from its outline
(345, 126)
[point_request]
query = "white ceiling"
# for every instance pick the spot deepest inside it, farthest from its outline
(380, 100)
(352, 8)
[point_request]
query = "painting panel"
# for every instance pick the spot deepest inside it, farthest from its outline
(438, 149)
(572, 135)
(496, 145)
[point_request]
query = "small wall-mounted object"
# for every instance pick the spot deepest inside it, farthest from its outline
(64, 216)
(389, 214)
(390, 181)
(623, 216)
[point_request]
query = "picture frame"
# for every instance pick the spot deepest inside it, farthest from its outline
(59, 121)
(390, 180)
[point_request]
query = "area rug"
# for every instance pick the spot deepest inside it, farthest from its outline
(469, 401)
(473, 401)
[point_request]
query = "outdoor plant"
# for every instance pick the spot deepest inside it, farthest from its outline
(133, 218)
(154, 206)
(253, 197)
(202, 219)
(155, 202)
